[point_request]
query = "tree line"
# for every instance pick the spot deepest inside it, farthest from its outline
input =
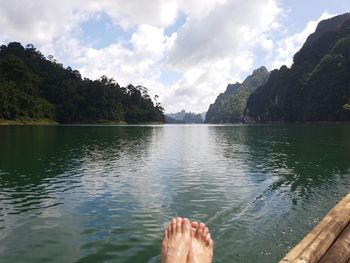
(35, 87)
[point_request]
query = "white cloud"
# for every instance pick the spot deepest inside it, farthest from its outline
(198, 9)
(201, 84)
(214, 47)
(231, 27)
(35, 21)
(41, 21)
(135, 12)
(219, 47)
(287, 47)
(149, 40)
(52, 27)
(134, 65)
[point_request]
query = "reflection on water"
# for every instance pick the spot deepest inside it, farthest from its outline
(105, 194)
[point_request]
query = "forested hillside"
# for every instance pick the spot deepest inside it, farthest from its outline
(35, 87)
(183, 117)
(229, 106)
(316, 87)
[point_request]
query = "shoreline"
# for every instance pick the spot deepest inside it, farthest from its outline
(23, 122)
(48, 122)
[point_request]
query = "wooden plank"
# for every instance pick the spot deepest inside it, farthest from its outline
(314, 240)
(340, 250)
(325, 239)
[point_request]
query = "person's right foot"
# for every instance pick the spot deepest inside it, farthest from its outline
(202, 245)
(176, 242)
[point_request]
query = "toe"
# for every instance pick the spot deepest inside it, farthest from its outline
(211, 243)
(169, 228)
(200, 230)
(205, 235)
(194, 224)
(205, 232)
(207, 239)
(165, 241)
(173, 226)
(165, 236)
(186, 226)
(178, 224)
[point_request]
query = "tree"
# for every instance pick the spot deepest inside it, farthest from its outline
(32, 86)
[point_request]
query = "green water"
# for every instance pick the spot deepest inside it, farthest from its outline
(105, 194)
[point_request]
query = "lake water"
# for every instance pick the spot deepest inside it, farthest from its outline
(106, 193)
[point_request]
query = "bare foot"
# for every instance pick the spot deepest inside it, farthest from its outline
(202, 245)
(176, 241)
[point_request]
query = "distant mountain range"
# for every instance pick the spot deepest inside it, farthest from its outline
(315, 88)
(229, 106)
(184, 117)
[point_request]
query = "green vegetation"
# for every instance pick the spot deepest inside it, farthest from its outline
(26, 121)
(183, 117)
(172, 120)
(229, 106)
(191, 117)
(316, 87)
(35, 88)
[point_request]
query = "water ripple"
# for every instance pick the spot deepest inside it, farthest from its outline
(105, 194)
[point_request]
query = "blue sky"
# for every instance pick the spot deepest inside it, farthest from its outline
(300, 12)
(186, 51)
(100, 32)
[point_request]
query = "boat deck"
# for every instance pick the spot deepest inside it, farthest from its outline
(329, 241)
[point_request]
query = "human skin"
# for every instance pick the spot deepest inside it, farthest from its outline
(186, 242)
(176, 241)
(202, 246)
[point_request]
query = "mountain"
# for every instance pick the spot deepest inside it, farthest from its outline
(316, 87)
(191, 117)
(177, 115)
(172, 120)
(183, 117)
(33, 87)
(229, 106)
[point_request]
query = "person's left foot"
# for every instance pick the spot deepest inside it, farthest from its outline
(202, 245)
(176, 241)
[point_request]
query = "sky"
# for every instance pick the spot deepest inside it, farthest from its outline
(185, 51)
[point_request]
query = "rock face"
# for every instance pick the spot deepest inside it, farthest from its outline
(316, 87)
(229, 106)
(184, 117)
